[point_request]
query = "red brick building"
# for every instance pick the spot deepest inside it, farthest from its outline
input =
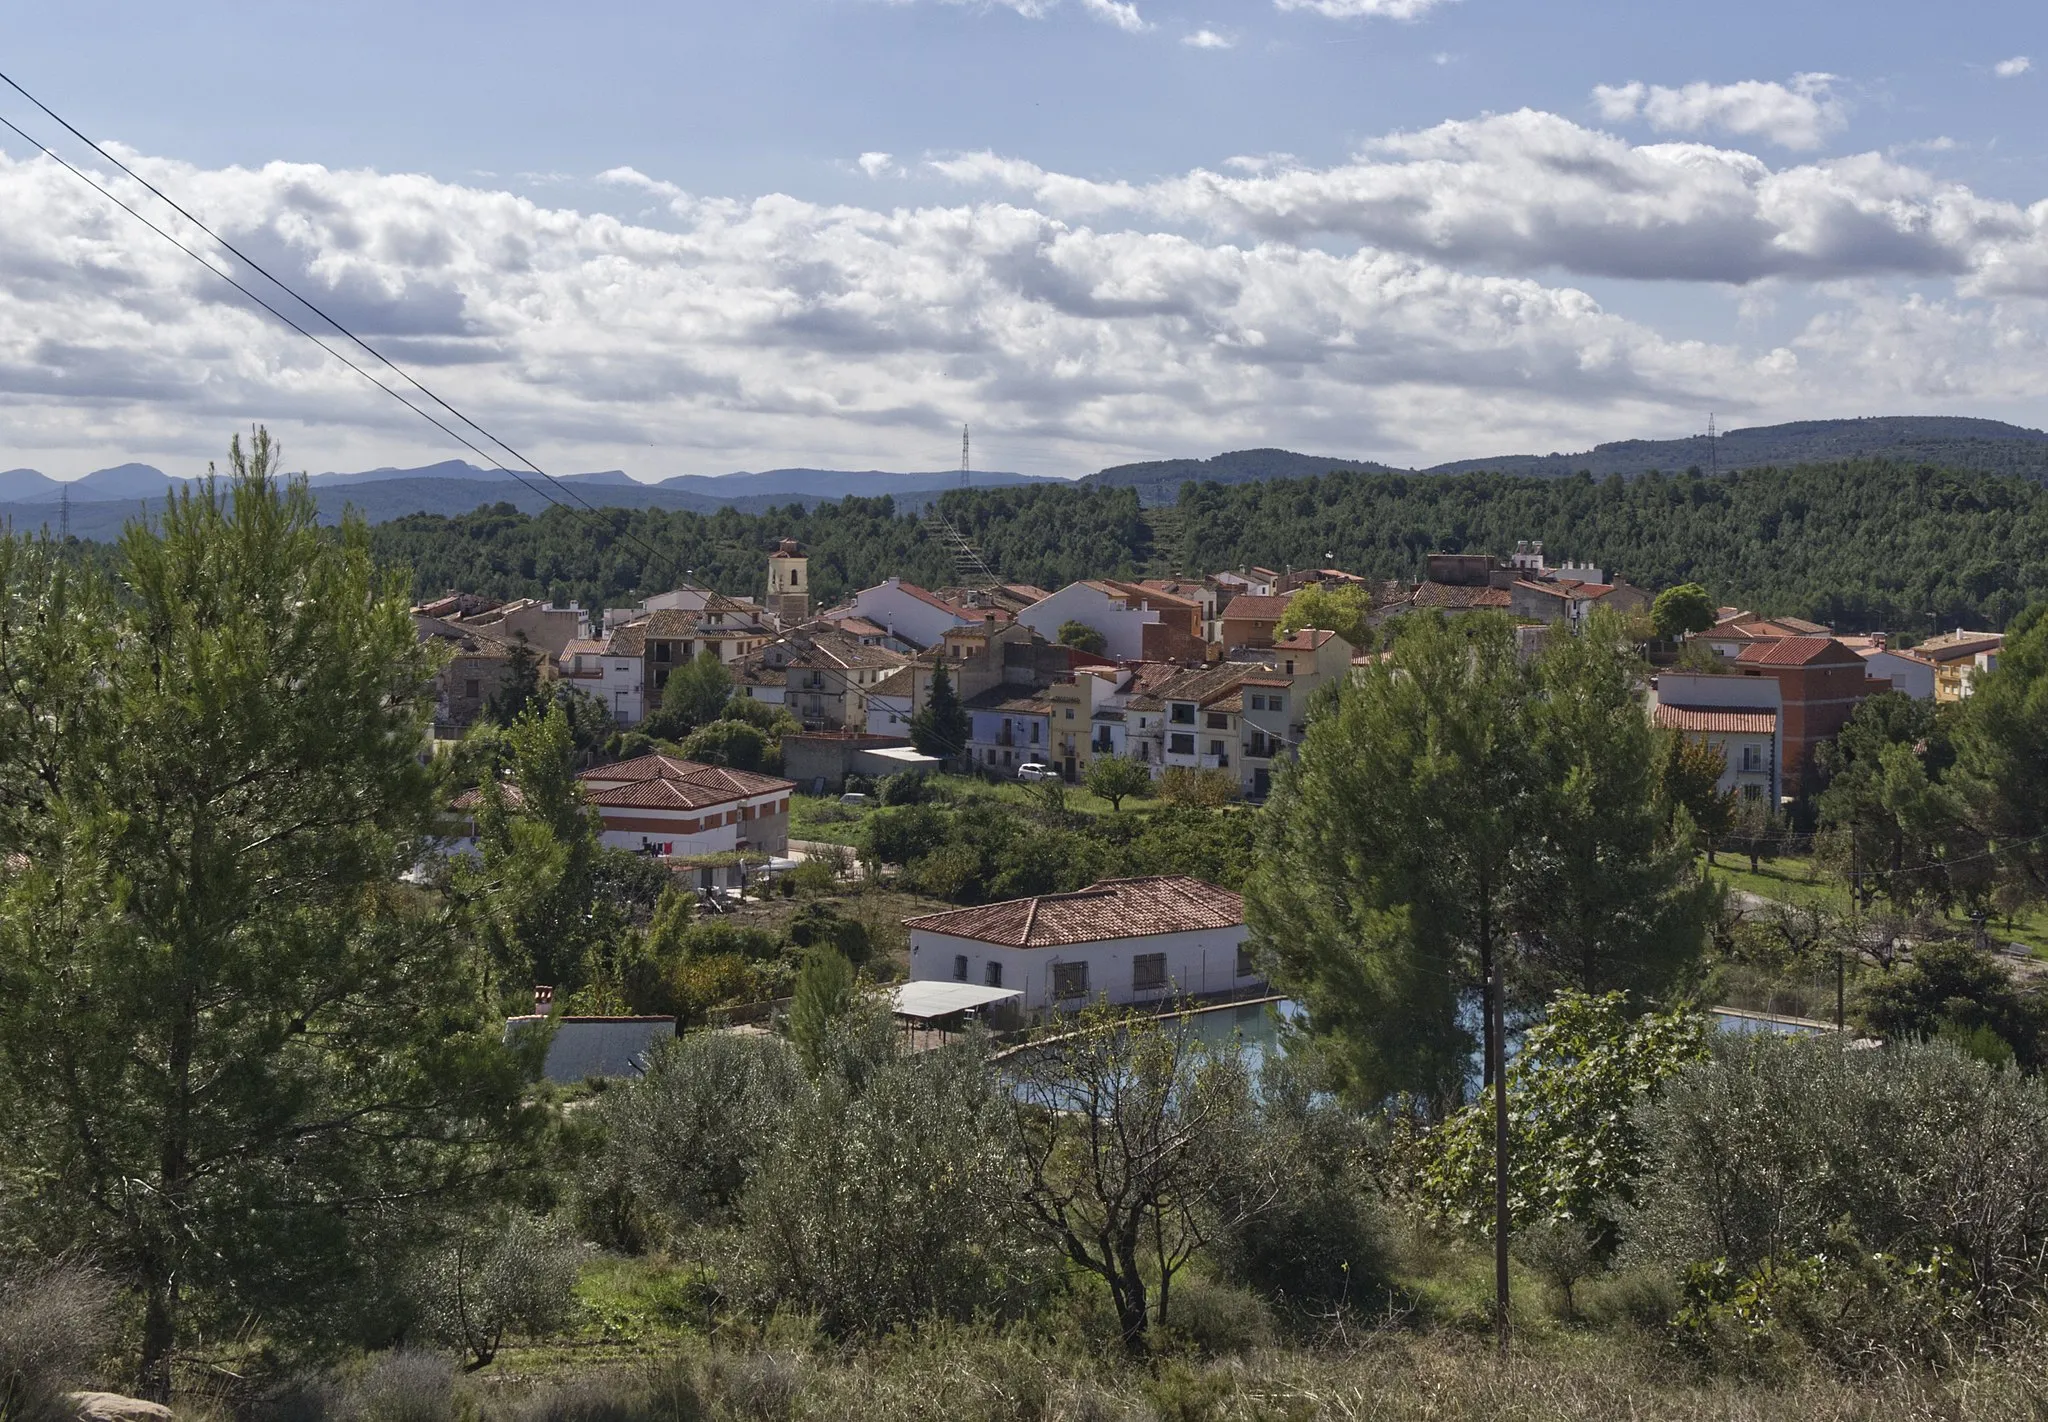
(1820, 684)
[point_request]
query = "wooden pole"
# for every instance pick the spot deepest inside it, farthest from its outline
(1498, 1018)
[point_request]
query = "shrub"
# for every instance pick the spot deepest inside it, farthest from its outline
(909, 788)
(686, 1138)
(401, 1386)
(55, 1321)
(1218, 1318)
(735, 743)
(518, 1279)
(816, 925)
(1760, 1159)
(886, 1199)
(904, 834)
(1201, 789)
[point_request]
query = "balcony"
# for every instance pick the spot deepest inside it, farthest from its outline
(1216, 762)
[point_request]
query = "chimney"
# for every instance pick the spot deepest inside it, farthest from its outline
(543, 999)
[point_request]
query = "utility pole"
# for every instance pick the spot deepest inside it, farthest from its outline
(1497, 1047)
(63, 514)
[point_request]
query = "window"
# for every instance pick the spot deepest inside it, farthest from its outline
(1070, 713)
(1218, 721)
(796, 577)
(471, 690)
(1144, 752)
(1246, 968)
(1182, 713)
(993, 975)
(1148, 972)
(959, 967)
(1276, 702)
(1752, 792)
(1215, 748)
(1034, 733)
(1258, 702)
(1753, 758)
(1290, 668)
(1181, 744)
(661, 651)
(1069, 980)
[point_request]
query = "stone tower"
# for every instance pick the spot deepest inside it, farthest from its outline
(789, 583)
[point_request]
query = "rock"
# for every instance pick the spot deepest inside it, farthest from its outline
(113, 1407)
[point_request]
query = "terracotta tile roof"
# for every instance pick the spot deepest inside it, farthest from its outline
(1250, 607)
(1804, 628)
(1798, 652)
(689, 783)
(1008, 698)
(854, 625)
(836, 649)
(1724, 719)
(922, 596)
(1208, 683)
(1114, 908)
(901, 682)
(1453, 597)
(1304, 639)
(627, 641)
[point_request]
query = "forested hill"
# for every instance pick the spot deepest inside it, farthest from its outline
(1862, 544)
(1947, 442)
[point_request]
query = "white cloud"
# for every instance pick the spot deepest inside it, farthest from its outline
(1534, 192)
(1799, 115)
(876, 165)
(1120, 13)
(1080, 324)
(1208, 39)
(2012, 68)
(1362, 9)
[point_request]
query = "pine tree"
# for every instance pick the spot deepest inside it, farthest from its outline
(241, 1059)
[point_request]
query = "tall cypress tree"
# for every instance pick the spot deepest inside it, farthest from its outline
(941, 727)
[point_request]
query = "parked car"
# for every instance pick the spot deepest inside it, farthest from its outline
(853, 797)
(1036, 770)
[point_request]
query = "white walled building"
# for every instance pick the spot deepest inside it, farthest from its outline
(1130, 941)
(605, 671)
(1741, 717)
(681, 809)
(906, 610)
(1906, 671)
(1120, 614)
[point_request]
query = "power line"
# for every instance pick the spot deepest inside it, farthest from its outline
(491, 460)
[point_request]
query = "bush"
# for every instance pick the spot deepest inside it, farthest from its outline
(1200, 789)
(886, 1200)
(686, 1138)
(55, 1321)
(1645, 1297)
(904, 834)
(1217, 1318)
(401, 1386)
(817, 925)
(1761, 1159)
(518, 1279)
(911, 787)
(735, 743)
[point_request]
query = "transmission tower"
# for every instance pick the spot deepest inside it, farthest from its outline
(1713, 447)
(64, 514)
(963, 456)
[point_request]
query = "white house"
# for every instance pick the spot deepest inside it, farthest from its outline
(681, 809)
(889, 703)
(1127, 940)
(1741, 717)
(1118, 612)
(1907, 671)
(905, 610)
(607, 672)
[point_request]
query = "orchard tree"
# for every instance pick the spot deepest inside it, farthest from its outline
(243, 1063)
(1115, 778)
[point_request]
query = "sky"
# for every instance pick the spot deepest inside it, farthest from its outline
(688, 238)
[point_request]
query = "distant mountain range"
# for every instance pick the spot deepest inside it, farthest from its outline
(106, 498)
(1955, 442)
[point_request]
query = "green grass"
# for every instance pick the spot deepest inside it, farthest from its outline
(822, 817)
(1794, 880)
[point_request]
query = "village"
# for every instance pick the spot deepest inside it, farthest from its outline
(1207, 681)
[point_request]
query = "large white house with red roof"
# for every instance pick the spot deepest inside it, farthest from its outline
(908, 611)
(683, 809)
(1124, 940)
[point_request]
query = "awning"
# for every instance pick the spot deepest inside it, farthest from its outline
(927, 1001)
